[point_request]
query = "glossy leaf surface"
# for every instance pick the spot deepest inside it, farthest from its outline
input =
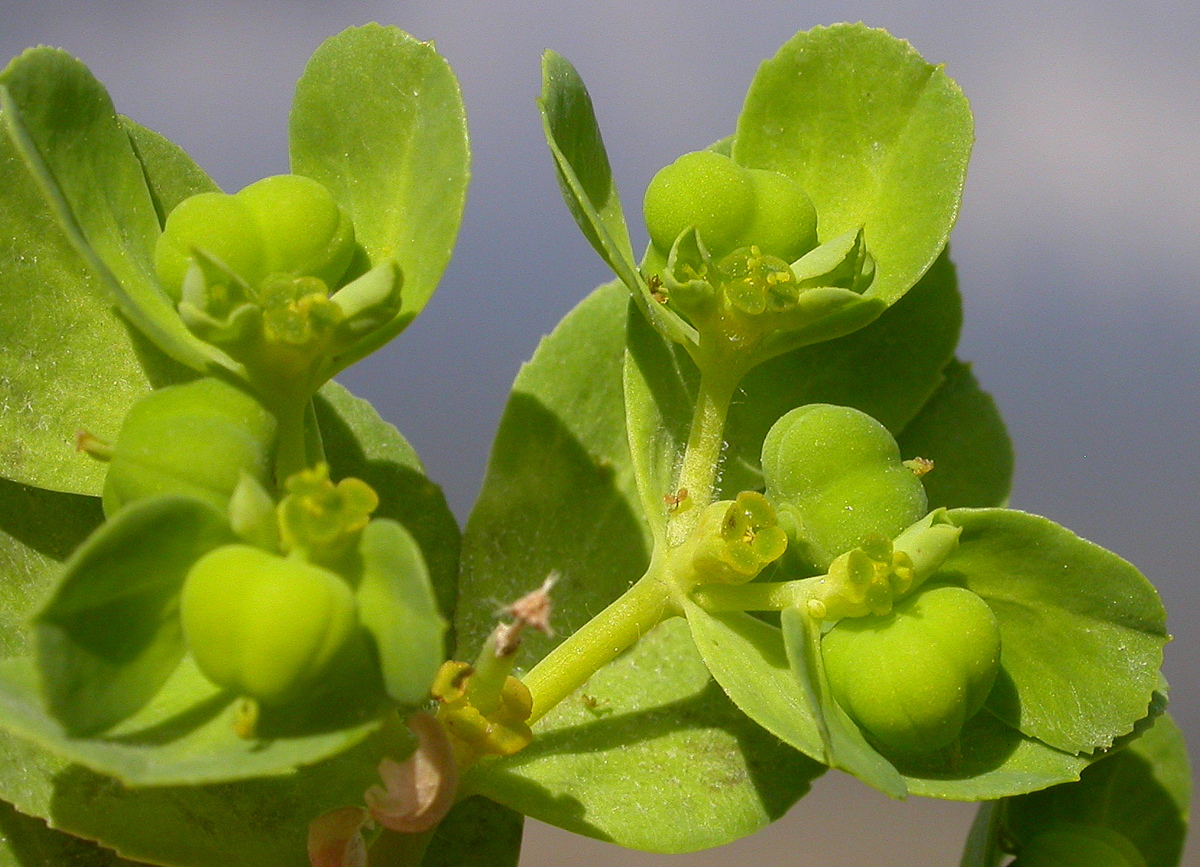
(1142, 791)
(876, 136)
(1082, 631)
(378, 120)
(60, 121)
(585, 178)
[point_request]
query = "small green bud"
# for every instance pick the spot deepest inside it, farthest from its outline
(197, 438)
(835, 477)
(265, 626)
(1078, 845)
(912, 678)
(705, 190)
(218, 224)
(304, 232)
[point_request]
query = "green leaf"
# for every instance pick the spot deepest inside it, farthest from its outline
(360, 444)
(748, 659)
(378, 119)
(654, 758)
(38, 531)
(67, 358)
(397, 606)
(876, 136)
(109, 635)
(171, 175)
(587, 185)
(477, 833)
(961, 431)
(1142, 791)
(661, 391)
(982, 847)
(27, 842)
(262, 822)
(62, 127)
(559, 493)
(186, 736)
(1081, 630)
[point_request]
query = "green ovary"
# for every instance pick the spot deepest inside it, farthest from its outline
(265, 626)
(835, 477)
(285, 224)
(912, 678)
(730, 207)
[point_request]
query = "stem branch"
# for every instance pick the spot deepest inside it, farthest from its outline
(599, 641)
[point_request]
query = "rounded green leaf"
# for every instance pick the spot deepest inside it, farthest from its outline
(1143, 791)
(1082, 630)
(378, 120)
(960, 429)
(651, 756)
(397, 606)
(876, 136)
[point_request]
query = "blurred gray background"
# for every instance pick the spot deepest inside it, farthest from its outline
(1078, 253)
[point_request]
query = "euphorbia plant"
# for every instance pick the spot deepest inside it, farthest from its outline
(745, 507)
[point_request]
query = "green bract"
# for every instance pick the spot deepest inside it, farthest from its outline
(835, 477)
(1077, 845)
(197, 439)
(913, 677)
(265, 626)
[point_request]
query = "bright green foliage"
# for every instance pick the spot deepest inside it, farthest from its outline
(835, 477)
(911, 678)
(231, 652)
(264, 626)
(195, 439)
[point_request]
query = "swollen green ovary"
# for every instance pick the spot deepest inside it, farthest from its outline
(911, 679)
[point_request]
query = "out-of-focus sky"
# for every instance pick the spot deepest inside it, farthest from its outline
(1078, 251)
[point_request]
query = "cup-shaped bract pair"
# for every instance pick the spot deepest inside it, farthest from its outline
(285, 224)
(835, 477)
(729, 206)
(197, 438)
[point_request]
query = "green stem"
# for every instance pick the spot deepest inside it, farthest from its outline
(599, 641)
(774, 596)
(706, 439)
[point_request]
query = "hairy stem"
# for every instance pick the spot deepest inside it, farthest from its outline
(599, 641)
(706, 440)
